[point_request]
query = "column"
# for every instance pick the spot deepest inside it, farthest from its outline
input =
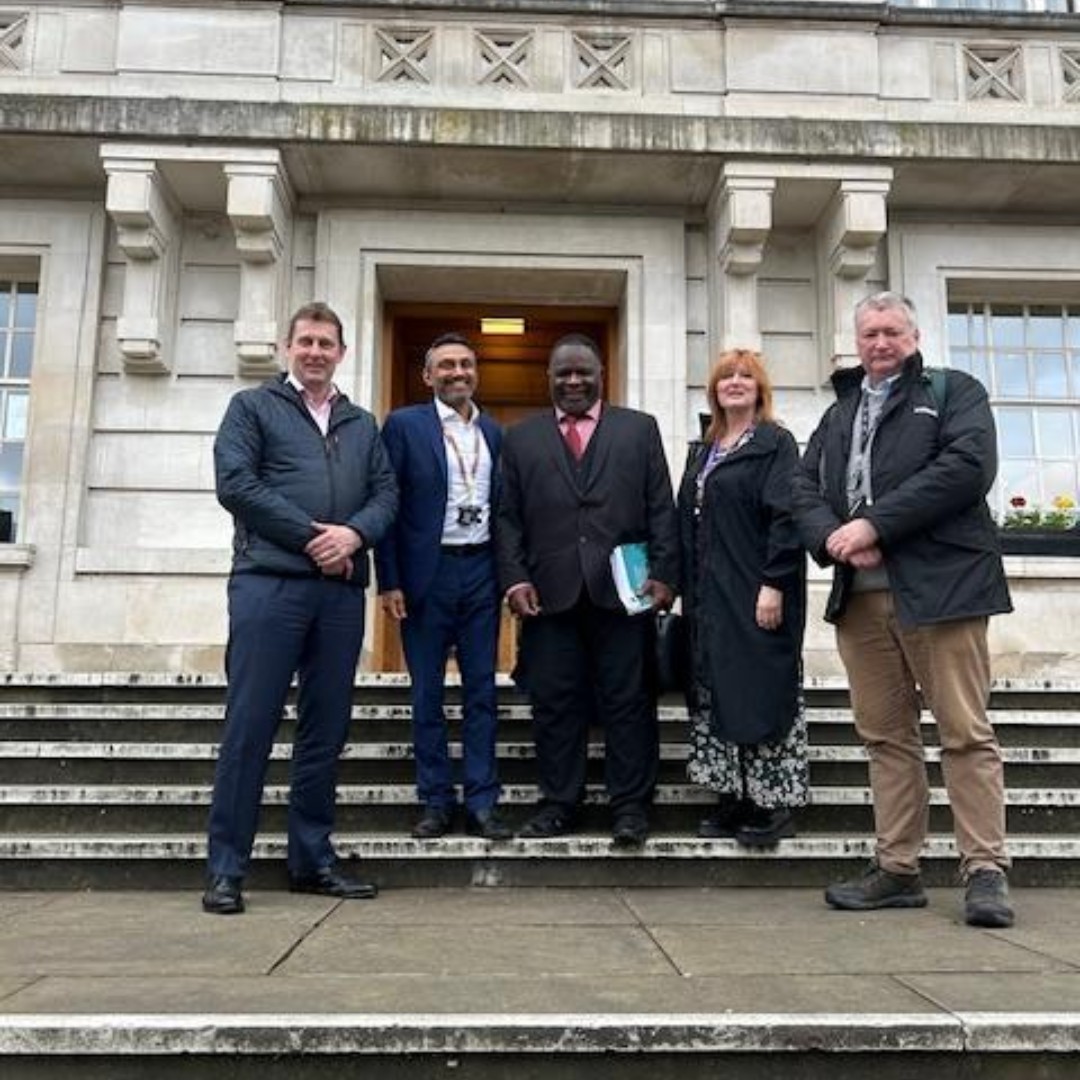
(852, 229)
(147, 230)
(259, 206)
(741, 214)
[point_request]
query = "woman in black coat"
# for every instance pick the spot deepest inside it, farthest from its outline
(745, 598)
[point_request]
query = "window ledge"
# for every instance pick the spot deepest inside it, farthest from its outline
(212, 562)
(15, 558)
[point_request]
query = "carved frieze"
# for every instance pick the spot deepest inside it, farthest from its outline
(1070, 75)
(993, 72)
(602, 61)
(13, 31)
(504, 57)
(404, 55)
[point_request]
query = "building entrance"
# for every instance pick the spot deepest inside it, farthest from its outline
(512, 385)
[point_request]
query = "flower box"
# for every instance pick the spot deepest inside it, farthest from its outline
(1056, 543)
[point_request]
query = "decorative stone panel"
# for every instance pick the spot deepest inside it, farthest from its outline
(404, 55)
(1070, 75)
(993, 72)
(602, 61)
(504, 57)
(13, 28)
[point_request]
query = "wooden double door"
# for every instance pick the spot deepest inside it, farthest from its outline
(512, 385)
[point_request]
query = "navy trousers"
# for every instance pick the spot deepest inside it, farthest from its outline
(459, 611)
(279, 626)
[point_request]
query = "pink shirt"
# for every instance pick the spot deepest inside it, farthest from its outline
(320, 411)
(586, 423)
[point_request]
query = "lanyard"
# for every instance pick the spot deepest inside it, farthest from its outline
(718, 453)
(857, 490)
(468, 476)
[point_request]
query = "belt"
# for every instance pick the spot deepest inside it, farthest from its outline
(461, 551)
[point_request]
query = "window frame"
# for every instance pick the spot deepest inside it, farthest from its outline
(15, 282)
(984, 318)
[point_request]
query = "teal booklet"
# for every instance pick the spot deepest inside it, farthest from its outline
(630, 569)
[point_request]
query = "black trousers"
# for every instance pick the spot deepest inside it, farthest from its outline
(586, 665)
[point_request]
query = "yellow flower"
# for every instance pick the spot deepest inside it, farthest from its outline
(1064, 502)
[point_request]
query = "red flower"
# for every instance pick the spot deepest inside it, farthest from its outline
(1018, 502)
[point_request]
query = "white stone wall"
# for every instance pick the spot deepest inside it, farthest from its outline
(809, 67)
(718, 182)
(126, 547)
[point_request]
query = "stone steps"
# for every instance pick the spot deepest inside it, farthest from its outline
(418, 1046)
(107, 779)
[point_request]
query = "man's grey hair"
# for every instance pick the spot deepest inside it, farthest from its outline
(888, 301)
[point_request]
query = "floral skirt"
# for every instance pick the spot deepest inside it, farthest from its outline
(772, 774)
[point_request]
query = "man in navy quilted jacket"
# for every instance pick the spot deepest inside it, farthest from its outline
(304, 474)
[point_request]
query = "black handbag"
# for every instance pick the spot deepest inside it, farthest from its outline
(672, 653)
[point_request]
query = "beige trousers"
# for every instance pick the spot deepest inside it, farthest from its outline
(950, 663)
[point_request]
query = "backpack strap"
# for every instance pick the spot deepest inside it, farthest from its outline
(937, 382)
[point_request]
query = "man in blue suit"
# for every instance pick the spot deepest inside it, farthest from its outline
(436, 575)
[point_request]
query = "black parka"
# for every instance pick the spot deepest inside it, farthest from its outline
(931, 465)
(744, 538)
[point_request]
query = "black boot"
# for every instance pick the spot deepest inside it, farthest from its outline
(763, 828)
(724, 820)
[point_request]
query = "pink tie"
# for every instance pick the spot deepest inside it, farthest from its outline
(573, 437)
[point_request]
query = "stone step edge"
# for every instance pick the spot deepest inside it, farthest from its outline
(163, 680)
(290, 1034)
(578, 846)
(130, 713)
(46, 750)
(513, 795)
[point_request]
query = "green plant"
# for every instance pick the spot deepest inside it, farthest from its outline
(1062, 514)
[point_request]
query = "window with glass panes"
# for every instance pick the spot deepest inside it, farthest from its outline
(1028, 358)
(18, 315)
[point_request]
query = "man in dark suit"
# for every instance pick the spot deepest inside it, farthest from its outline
(436, 573)
(577, 482)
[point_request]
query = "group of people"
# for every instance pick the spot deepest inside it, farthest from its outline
(461, 517)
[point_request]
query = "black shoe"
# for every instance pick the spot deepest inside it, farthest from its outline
(723, 822)
(986, 900)
(223, 896)
(550, 820)
(764, 828)
(630, 829)
(487, 824)
(877, 888)
(327, 881)
(435, 821)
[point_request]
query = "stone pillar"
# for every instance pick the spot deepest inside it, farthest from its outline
(147, 229)
(852, 228)
(741, 218)
(259, 206)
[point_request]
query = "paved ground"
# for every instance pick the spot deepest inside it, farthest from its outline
(531, 951)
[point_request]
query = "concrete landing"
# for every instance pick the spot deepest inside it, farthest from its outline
(132, 984)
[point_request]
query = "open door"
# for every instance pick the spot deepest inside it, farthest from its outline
(512, 385)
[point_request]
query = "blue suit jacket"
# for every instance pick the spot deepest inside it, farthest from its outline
(408, 555)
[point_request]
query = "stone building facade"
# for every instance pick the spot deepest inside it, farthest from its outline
(679, 175)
